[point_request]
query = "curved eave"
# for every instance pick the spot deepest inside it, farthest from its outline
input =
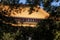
(39, 15)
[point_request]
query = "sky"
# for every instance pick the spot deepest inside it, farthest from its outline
(22, 1)
(54, 3)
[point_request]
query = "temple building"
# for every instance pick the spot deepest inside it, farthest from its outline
(23, 18)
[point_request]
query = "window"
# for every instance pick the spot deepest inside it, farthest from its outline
(33, 20)
(28, 20)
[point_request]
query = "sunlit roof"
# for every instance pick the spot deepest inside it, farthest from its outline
(41, 14)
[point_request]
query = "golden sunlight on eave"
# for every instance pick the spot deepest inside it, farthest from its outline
(23, 12)
(41, 14)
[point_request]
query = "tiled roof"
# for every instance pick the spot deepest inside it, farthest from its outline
(23, 11)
